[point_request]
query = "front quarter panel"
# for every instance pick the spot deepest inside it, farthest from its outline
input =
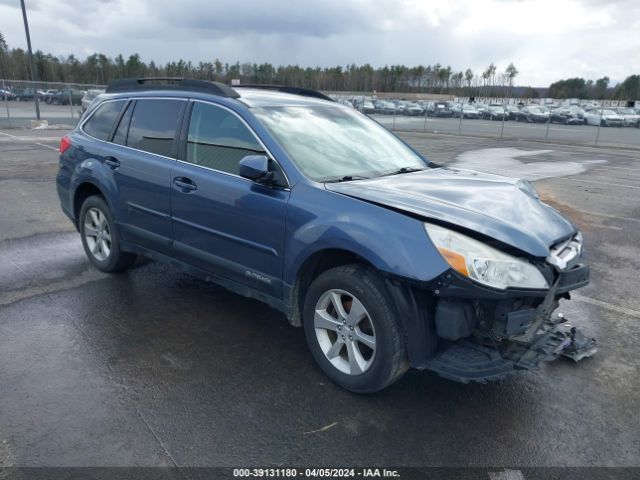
(392, 242)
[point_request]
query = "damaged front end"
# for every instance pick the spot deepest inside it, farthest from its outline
(487, 334)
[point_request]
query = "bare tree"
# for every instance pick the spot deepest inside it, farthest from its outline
(512, 72)
(468, 75)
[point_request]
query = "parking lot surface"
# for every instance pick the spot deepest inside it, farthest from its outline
(154, 368)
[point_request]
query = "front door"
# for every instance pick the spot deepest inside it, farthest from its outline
(223, 223)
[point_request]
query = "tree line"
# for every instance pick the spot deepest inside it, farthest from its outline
(629, 89)
(100, 69)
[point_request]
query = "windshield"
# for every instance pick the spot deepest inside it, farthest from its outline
(535, 110)
(609, 112)
(329, 143)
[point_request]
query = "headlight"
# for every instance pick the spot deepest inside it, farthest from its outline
(483, 263)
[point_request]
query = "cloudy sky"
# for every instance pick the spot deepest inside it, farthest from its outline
(546, 39)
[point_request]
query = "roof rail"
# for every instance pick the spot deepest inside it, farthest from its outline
(305, 92)
(171, 83)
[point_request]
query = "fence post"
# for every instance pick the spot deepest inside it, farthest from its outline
(504, 116)
(6, 104)
(461, 115)
(70, 103)
(426, 114)
(600, 122)
(395, 112)
(546, 134)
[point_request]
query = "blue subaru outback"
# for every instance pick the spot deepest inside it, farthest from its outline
(387, 260)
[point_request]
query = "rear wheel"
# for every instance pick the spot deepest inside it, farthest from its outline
(100, 237)
(352, 329)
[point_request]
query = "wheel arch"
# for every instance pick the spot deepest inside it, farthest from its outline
(83, 191)
(414, 307)
(315, 264)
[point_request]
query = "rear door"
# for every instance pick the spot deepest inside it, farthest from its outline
(223, 223)
(144, 153)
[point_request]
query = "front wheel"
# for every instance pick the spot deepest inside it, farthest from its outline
(352, 329)
(100, 237)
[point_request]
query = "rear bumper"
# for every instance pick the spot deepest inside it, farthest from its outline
(63, 188)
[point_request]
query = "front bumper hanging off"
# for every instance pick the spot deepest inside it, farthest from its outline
(466, 361)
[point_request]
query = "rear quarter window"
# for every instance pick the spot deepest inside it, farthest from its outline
(101, 122)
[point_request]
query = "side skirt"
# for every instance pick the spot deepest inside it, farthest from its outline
(224, 282)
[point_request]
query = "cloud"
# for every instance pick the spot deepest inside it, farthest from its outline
(546, 39)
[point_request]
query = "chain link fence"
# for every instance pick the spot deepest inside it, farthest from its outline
(59, 104)
(575, 122)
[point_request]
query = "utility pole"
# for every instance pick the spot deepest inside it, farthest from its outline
(34, 75)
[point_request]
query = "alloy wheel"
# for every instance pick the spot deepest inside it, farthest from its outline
(345, 332)
(97, 234)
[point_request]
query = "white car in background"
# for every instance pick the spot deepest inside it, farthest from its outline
(631, 116)
(88, 97)
(606, 118)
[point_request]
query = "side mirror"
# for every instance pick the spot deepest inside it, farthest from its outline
(255, 167)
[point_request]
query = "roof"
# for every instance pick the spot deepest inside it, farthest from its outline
(253, 97)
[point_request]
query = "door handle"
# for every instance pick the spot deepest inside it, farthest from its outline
(112, 162)
(185, 185)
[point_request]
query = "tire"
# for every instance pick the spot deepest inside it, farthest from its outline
(354, 365)
(103, 248)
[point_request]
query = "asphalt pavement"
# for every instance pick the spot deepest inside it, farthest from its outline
(155, 368)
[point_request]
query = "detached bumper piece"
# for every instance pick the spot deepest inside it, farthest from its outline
(468, 361)
(580, 346)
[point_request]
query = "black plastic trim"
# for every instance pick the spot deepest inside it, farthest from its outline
(171, 83)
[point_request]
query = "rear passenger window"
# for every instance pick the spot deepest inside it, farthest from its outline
(100, 124)
(153, 125)
(218, 139)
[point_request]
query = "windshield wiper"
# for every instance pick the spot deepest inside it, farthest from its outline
(347, 178)
(404, 170)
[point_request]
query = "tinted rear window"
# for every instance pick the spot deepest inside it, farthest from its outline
(101, 122)
(153, 125)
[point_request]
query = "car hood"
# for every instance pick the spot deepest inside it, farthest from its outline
(502, 208)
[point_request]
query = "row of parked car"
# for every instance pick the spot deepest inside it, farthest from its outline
(568, 115)
(63, 96)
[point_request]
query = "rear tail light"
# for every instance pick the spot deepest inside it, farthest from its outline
(65, 143)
